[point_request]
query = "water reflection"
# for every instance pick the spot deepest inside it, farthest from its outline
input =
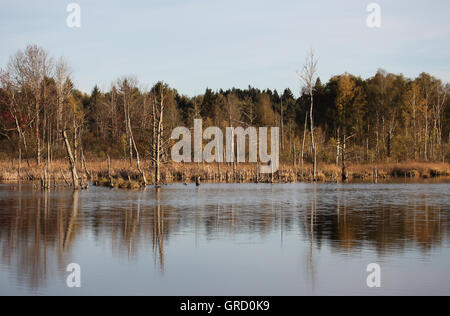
(34, 228)
(39, 230)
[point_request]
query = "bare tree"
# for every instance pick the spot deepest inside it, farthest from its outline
(308, 75)
(62, 75)
(438, 112)
(160, 92)
(31, 67)
(304, 136)
(73, 165)
(13, 105)
(127, 89)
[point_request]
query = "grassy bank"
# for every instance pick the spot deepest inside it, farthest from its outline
(127, 177)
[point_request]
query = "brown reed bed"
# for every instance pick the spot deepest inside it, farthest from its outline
(128, 177)
(424, 170)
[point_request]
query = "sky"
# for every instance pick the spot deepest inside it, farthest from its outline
(195, 44)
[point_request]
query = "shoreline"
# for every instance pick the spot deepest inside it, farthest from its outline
(126, 176)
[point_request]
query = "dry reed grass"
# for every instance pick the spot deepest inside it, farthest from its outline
(128, 176)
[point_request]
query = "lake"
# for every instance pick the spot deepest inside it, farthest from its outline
(227, 239)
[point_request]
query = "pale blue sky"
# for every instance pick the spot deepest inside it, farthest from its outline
(194, 44)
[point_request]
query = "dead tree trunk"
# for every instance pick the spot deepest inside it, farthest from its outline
(73, 167)
(308, 76)
(159, 135)
(64, 177)
(304, 136)
(344, 161)
(21, 136)
(158, 154)
(338, 146)
(83, 163)
(38, 140)
(313, 143)
(75, 143)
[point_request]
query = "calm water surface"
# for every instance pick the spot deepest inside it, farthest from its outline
(249, 239)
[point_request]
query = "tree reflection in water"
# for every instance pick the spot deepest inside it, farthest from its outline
(38, 230)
